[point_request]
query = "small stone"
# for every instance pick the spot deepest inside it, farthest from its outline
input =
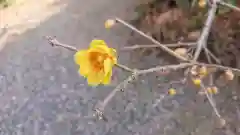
(221, 123)
(13, 98)
(52, 78)
(64, 86)
(234, 97)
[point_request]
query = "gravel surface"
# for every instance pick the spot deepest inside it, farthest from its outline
(42, 94)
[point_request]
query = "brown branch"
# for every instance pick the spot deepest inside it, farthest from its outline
(99, 109)
(124, 68)
(52, 41)
(152, 39)
(212, 103)
(173, 67)
(157, 46)
(208, 52)
(204, 35)
(229, 6)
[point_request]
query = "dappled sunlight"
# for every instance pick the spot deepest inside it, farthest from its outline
(24, 15)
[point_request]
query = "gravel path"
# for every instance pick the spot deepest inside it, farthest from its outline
(42, 94)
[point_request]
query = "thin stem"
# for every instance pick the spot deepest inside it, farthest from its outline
(101, 105)
(174, 67)
(152, 39)
(219, 67)
(124, 67)
(157, 46)
(229, 6)
(212, 55)
(203, 38)
(211, 101)
(52, 41)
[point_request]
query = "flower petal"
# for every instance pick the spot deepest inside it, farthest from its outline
(107, 78)
(95, 78)
(80, 57)
(101, 46)
(97, 42)
(107, 66)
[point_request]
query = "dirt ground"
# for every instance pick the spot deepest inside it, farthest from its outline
(42, 94)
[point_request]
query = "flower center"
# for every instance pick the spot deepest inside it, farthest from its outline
(97, 60)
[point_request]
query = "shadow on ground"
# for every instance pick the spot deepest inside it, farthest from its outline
(42, 94)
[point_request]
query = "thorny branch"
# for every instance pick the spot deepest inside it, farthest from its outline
(200, 44)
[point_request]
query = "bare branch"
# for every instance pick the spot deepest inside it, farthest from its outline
(219, 67)
(212, 55)
(158, 68)
(52, 41)
(203, 38)
(120, 87)
(152, 39)
(229, 6)
(157, 46)
(212, 103)
(125, 68)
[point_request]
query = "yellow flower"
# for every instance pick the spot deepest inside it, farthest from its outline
(203, 71)
(109, 23)
(172, 92)
(197, 82)
(202, 3)
(212, 90)
(96, 62)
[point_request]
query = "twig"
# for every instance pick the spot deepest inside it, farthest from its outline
(152, 39)
(101, 105)
(211, 101)
(157, 46)
(203, 38)
(125, 68)
(219, 67)
(172, 82)
(212, 55)
(54, 42)
(174, 67)
(229, 6)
